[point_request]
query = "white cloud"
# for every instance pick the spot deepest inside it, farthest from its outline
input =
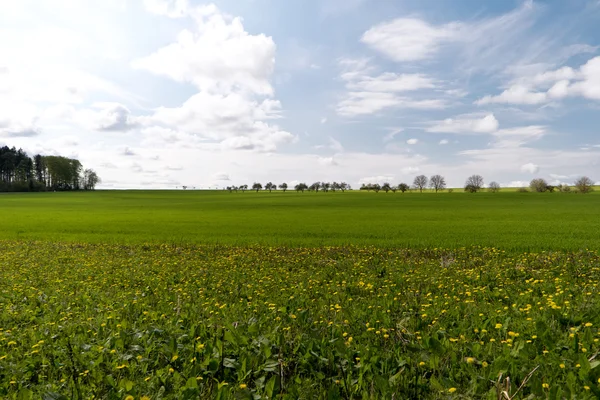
(365, 103)
(18, 120)
(518, 136)
(393, 132)
(466, 125)
(390, 82)
(231, 70)
(114, 117)
(323, 120)
(444, 142)
(410, 39)
(530, 168)
(412, 141)
(551, 85)
(218, 57)
(369, 94)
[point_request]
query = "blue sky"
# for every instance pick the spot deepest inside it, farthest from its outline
(164, 93)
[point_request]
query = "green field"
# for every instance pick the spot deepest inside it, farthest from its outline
(151, 295)
(511, 221)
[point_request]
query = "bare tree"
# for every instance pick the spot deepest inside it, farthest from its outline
(538, 185)
(420, 182)
(437, 182)
(283, 186)
(584, 185)
(474, 183)
(494, 187)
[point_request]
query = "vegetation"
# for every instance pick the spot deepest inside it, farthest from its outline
(108, 321)
(20, 173)
(508, 220)
(474, 184)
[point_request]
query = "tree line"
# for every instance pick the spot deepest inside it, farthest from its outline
(473, 184)
(21, 173)
(300, 187)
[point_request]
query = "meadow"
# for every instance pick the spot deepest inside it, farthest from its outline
(186, 295)
(511, 221)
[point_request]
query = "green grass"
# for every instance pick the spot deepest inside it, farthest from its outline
(511, 221)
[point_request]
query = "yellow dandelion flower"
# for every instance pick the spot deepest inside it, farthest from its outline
(451, 390)
(243, 386)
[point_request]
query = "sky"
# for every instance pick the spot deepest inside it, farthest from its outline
(164, 93)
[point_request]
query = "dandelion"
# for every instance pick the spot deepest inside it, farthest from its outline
(130, 397)
(562, 366)
(470, 360)
(498, 326)
(243, 386)
(452, 390)
(545, 385)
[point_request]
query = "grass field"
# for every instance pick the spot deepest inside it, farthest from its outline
(511, 221)
(201, 295)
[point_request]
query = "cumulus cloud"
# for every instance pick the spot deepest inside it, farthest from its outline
(530, 168)
(444, 142)
(412, 141)
(114, 117)
(231, 70)
(551, 85)
(219, 56)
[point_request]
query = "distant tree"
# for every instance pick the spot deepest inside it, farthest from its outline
(584, 185)
(564, 188)
(257, 186)
(283, 186)
(315, 187)
(403, 187)
(270, 186)
(326, 186)
(243, 188)
(90, 179)
(494, 187)
(474, 184)
(386, 187)
(344, 186)
(538, 185)
(437, 182)
(301, 187)
(420, 182)
(376, 187)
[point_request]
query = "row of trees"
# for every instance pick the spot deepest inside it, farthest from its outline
(21, 173)
(473, 184)
(300, 187)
